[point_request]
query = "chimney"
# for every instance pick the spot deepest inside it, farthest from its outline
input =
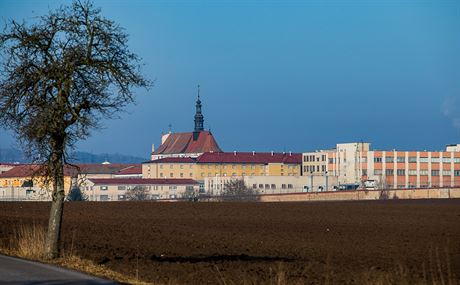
(253, 153)
(272, 152)
(234, 152)
(290, 153)
(153, 148)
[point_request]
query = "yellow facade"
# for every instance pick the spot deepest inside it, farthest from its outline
(38, 182)
(199, 171)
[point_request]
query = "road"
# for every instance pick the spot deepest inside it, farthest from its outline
(18, 271)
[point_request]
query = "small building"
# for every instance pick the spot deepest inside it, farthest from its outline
(115, 189)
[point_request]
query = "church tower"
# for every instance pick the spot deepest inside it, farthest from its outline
(199, 119)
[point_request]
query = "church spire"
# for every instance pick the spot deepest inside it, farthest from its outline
(199, 119)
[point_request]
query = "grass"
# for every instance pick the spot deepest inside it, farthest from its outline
(28, 241)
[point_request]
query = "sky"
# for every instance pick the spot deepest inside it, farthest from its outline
(284, 75)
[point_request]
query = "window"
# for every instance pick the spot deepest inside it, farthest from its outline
(304, 169)
(401, 159)
(364, 159)
(104, 197)
(434, 172)
(400, 172)
(103, 187)
(377, 159)
(254, 186)
(389, 172)
(457, 160)
(182, 175)
(267, 186)
(273, 186)
(331, 160)
(456, 172)
(202, 174)
(161, 166)
(377, 171)
(317, 168)
(412, 159)
(121, 187)
(261, 186)
(323, 157)
(181, 166)
(323, 168)
(209, 174)
(171, 166)
(446, 172)
(423, 159)
(435, 160)
(171, 174)
(446, 160)
(423, 172)
(289, 186)
(412, 172)
(233, 174)
(161, 174)
(191, 174)
(121, 197)
(283, 186)
(389, 159)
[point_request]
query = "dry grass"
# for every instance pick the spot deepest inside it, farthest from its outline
(30, 241)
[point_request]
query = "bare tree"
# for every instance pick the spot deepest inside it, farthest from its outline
(236, 190)
(138, 193)
(59, 77)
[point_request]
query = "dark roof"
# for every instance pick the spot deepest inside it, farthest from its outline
(250, 157)
(28, 170)
(173, 160)
(184, 143)
(141, 181)
(130, 170)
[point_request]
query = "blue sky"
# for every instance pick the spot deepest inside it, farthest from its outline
(285, 75)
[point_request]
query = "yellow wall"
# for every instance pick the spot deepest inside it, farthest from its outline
(199, 171)
(37, 182)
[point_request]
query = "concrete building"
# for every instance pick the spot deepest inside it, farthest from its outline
(273, 184)
(355, 163)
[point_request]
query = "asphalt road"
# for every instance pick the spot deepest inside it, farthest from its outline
(18, 271)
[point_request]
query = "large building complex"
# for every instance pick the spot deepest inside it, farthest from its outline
(355, 163)
(224, 164)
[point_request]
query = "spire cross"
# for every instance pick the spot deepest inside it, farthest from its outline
(198, 91)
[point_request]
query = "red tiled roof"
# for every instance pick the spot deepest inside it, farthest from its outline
(184, 143)
(102, 168)
(249, 157)
(173, 160)
(29, 170)
(140, 181)
(130, 170)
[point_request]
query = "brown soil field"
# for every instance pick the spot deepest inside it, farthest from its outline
(259, 243)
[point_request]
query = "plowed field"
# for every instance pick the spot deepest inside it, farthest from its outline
(237, 243)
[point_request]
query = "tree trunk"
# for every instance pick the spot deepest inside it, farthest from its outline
(57, 207)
